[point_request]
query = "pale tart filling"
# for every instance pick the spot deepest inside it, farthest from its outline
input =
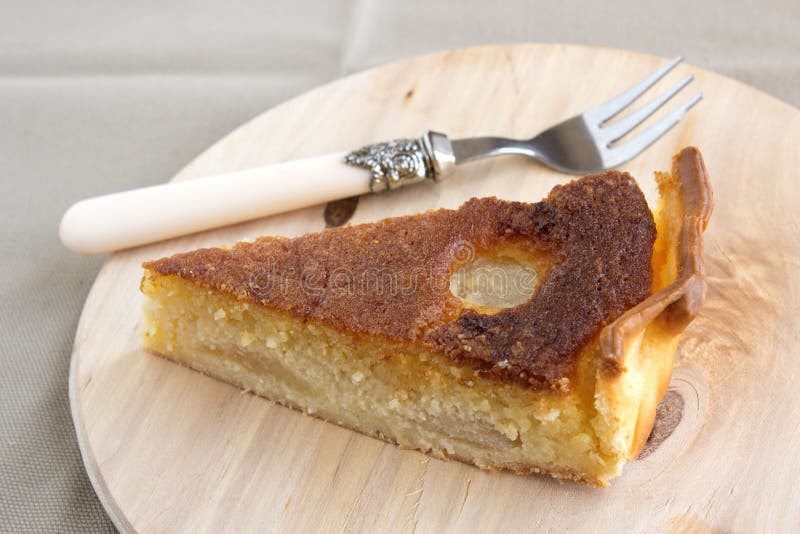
(402, 393)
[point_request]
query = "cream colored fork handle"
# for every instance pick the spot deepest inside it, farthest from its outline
(141, 216)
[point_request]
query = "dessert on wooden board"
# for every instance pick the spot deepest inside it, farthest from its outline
(552, 361)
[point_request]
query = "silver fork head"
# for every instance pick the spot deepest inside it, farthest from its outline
(589, 142)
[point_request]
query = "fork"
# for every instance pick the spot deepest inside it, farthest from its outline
(589, 142)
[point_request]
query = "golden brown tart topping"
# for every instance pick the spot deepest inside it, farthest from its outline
(392, 278)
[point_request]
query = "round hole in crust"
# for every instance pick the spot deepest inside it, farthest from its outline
(492, 282)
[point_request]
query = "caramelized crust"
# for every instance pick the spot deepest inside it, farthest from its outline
(602, 234)
(686, 196)
(391, 278)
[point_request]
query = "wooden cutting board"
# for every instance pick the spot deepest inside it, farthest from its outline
(170, 449)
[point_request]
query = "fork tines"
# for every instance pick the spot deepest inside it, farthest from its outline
(611, 132)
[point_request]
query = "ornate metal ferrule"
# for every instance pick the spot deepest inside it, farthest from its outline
(400, 162)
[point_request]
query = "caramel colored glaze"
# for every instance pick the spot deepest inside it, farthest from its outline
(391, 278)
(603, 234)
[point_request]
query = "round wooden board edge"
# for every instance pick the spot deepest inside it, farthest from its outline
(111, 507)
(99, 485)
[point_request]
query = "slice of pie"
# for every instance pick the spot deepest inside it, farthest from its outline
(536, 338)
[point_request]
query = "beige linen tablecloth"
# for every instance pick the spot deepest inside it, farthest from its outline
(101, 96)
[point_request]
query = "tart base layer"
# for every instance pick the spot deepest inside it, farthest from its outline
(409, 393)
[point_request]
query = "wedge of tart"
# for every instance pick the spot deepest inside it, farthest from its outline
(536, 338)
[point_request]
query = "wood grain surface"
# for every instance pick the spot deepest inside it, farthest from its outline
(169, 449)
